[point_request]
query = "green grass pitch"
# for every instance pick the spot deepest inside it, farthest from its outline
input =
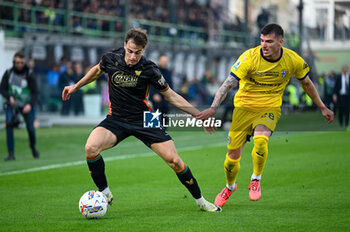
(304, 187)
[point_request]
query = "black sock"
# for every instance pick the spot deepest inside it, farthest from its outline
(97, 171)
(190, 182)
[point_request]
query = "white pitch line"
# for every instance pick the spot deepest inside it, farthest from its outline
(120, 157)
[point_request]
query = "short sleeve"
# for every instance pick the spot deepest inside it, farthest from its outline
(105, 61)
(242, 66)
(302, 68)
(158, 81)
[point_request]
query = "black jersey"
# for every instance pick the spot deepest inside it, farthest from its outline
(128, 86)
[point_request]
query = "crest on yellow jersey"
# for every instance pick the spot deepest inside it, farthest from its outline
(284, 73)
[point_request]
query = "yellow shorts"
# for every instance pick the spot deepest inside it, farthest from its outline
(244, 121)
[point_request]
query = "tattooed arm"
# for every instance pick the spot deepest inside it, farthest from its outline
(220, 95)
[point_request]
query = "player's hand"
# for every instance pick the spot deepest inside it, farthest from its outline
(327, 114)
(12, 101)
(67, 91)
(210, 130)
(208, 113)
(26, 109)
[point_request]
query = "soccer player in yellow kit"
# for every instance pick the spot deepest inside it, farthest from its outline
(263, 73)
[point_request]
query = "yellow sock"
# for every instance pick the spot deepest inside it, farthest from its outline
(259, 153)
(231, 167)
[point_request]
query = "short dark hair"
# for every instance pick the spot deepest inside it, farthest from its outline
(272, 28)
(19, 54)
(138, 35)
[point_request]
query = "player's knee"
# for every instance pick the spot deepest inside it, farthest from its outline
(91, 150)
(260, 143)
(234, 154)
(175, 163)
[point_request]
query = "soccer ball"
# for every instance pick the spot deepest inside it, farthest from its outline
(93, 204)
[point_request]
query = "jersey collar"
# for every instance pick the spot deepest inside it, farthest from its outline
(261, 53)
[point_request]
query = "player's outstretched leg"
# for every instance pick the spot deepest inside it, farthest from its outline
(168, 152)
(224, 195)
(231, 168)
(187, 179)
(97, 171)
(99, 140)
(259, 155)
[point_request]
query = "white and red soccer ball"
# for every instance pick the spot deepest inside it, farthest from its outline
(93, 204)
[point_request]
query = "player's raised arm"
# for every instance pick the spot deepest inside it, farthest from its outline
(94, 73)
(220, 95)
(179, 102)
(310, 89)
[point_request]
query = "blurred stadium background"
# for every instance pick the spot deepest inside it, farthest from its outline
(305, 184)
(202, 38)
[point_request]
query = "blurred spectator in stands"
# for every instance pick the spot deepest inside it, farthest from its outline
(77, 100)
(261, 21)
(91, 23)
(118, 27)
(341, 96)
(53, 77)
(77, 25)
(25, 15)
(158, 99)
(184, 88)
(197, 94)
(31, 71)
(6, 12)
(188, 12)
(293, 41)
(63, 62)
(212, 87)
(49, 13)
(59, 19)
(305, 100)
(263, 18)
(329, 84)
(31, 65)
(66, 78)
(291, 96)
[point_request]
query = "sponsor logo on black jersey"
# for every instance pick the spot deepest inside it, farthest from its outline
(121, 79)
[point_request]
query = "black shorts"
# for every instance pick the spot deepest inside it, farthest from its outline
(123, 130)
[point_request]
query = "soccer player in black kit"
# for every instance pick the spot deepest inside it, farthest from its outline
(129, 76)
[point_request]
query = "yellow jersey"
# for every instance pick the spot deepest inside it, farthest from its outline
(262, 81)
